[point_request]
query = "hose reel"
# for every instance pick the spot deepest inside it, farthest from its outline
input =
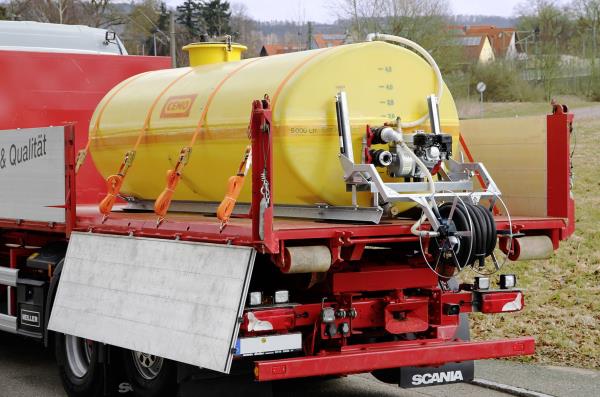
(467, 236)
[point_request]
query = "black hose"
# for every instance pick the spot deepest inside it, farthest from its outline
(493, 236)
(479, 234)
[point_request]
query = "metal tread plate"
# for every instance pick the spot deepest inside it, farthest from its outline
(8, 323)
(175, 299)
(8, 276)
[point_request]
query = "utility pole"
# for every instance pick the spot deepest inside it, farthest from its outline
(310, 34)
(172, 40)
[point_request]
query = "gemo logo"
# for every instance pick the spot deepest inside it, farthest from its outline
(437, 377)
(178, 106)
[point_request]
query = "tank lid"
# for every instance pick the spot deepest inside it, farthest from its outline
(214, 52)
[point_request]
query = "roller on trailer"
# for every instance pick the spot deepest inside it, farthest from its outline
(316, 212)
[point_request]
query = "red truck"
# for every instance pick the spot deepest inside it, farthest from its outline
(132, 305)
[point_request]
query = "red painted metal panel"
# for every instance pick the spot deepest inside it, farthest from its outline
(559, 198)
(383, 279)
(70, 180)
(333, 363)
(49, 89)
(501, 301)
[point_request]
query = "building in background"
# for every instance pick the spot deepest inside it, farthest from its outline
(504, 41)
(320, 40)
(477, 48)
(276, 49)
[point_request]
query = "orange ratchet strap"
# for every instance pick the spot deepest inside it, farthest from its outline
(114, 182)
(234, 188)
(163, 202)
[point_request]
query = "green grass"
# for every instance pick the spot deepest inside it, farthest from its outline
(470, 109)
(562, 294)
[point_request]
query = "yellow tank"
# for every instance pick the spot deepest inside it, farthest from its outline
(382, 81)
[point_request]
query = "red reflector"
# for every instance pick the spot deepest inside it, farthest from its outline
(518, 347)
(501, 301)
(279, 370)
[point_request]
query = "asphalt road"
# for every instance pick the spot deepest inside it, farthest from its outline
(27, 370)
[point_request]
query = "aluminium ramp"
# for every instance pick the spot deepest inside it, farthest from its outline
(174, 299)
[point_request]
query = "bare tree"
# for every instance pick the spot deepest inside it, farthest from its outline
(588, 12)
(551, 26)
(365, 16)
(245, 30)
(423, 21)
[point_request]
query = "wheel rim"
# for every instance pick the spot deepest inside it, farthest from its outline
(147, 365)
(79, 355)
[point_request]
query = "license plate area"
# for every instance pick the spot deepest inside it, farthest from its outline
(268, 344)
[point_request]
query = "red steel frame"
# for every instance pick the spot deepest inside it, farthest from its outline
(560, 199)
(372, 357)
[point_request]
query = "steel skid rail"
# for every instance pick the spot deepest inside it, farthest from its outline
(367, 358)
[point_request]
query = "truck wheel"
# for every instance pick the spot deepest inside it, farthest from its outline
(80, 372)
(150, 375)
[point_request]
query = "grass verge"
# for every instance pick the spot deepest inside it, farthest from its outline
(563, 293)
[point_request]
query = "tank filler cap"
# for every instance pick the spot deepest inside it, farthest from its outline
(214, 52)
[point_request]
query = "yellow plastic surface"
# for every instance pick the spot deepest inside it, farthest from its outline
(382, 81)
(514, 152)
(208, 53)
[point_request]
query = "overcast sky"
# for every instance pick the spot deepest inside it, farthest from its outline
(324, 10)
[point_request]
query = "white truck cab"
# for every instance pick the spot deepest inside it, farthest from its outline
(50, 37)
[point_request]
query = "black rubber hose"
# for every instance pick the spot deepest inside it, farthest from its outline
(479, 231)
(487, 229)
(493, 238)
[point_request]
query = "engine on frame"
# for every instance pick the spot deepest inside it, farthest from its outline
(431, 149)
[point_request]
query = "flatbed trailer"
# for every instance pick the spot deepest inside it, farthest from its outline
(378, 309)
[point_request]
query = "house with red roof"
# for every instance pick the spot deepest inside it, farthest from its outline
(477, 47)
(276, 49)
(503, 40)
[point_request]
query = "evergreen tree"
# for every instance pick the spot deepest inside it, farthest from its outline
(160, 32)
(216, 15)
(189, 15)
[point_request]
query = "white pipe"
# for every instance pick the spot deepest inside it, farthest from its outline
(423, 233)
(422, 167)
(419, 162)
(423, 52)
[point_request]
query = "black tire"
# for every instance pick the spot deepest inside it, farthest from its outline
(150, 380)
(76, 381)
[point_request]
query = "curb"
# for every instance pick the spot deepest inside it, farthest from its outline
(514, 390)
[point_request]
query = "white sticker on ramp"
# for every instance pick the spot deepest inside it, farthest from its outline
(32, 174)
(173, 299)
